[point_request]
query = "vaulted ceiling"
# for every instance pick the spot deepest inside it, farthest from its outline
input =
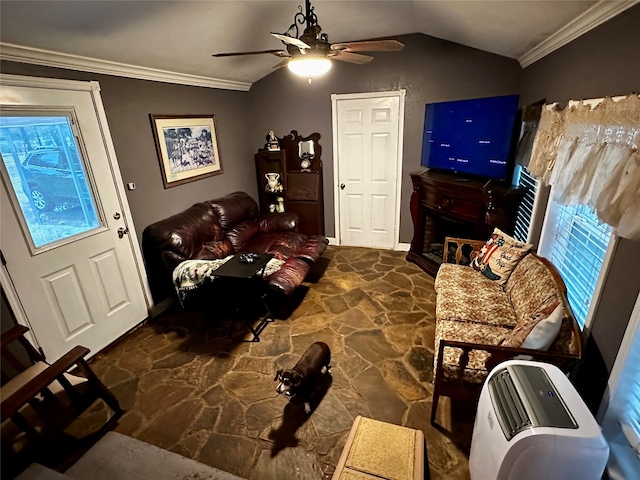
(173, 40)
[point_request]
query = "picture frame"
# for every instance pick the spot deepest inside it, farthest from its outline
(187, 147)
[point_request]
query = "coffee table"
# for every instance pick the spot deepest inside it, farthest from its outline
(246, 281)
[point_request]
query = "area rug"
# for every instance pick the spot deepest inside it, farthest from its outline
(376, 450)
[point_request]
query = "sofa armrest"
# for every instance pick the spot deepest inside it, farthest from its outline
(499, 354)
(277, 222)
(172, 259)
(465, 250)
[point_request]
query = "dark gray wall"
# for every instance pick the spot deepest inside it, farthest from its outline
(602, 62)
(129, 102)
(431, 70)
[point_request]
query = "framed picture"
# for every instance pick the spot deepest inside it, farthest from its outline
(187, 147)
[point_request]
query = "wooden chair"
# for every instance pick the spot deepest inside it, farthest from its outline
(40, 401)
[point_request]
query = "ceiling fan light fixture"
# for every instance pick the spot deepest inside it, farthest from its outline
(310, 55)
(309, 67)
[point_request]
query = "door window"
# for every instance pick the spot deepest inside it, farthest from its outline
(44, 169)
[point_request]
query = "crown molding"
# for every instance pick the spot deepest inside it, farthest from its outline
(48, 58)
(596, 15)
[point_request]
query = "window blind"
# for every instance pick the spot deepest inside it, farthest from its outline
(525, 209)
(576, 244)
(630, 413)
(621, 422)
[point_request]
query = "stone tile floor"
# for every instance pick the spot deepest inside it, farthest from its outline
(189, 389)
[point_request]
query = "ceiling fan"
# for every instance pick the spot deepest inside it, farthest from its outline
(309, 54)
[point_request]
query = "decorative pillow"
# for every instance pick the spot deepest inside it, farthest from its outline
(546, 331)
(499, 256)
(538, 331)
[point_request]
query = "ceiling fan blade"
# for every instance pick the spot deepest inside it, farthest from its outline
(352, 57)
(290, 40)
(369, 46)
(277, 53)
(281, 64)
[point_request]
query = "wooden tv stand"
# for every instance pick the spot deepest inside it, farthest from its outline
(443, 205)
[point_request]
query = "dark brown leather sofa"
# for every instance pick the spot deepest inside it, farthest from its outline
(224, 226)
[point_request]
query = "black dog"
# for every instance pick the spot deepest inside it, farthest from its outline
(301, 380)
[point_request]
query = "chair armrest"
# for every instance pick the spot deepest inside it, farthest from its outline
(277, 222)
(33, 387)
(458, 244)
(499, 354)
(13, 334)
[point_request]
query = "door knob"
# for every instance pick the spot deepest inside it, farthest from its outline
(122, 232)
(342, 185)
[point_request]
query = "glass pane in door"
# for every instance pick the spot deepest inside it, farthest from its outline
(46, 171)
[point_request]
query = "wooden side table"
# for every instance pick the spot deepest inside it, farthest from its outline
(246, 280)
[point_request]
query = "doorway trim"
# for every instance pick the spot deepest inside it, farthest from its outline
(94, 88)
(335, 97)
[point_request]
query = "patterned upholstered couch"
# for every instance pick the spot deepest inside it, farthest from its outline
(474, 315)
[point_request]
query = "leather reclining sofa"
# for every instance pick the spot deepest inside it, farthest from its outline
(217, 228)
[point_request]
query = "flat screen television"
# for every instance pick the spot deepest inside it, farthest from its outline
(470, 137)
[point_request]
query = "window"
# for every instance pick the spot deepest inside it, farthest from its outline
(576, 243)
(56, 202)
(524, 179)
(621, 424)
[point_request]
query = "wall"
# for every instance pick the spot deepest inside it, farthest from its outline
(431, 70)
(600, 63)
(129, 102)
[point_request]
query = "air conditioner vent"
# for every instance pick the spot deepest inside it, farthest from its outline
(510, 410)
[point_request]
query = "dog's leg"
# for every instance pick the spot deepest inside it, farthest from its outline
(307, 408)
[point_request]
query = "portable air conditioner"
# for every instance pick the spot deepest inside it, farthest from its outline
(531, 425)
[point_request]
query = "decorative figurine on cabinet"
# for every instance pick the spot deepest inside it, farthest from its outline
(272, 142)
(273, 182)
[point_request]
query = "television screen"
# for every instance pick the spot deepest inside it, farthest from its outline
(470, 137)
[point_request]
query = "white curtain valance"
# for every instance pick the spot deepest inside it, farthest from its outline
(589, 152)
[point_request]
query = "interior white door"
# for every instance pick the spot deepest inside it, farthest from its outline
(84, 288)
(368, 160)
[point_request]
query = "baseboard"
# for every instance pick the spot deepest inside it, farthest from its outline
(401, 247)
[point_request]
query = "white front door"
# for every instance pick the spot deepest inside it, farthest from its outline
(70, 250)
(368, 165)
